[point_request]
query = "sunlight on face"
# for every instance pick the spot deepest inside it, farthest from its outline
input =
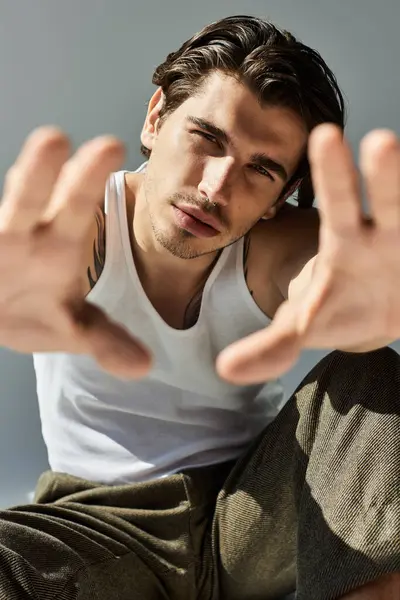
(218, 164)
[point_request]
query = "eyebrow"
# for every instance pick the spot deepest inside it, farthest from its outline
(259, 158)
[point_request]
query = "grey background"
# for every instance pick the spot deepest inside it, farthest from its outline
(86, 65)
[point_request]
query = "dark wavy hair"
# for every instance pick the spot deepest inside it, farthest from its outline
(277, 68)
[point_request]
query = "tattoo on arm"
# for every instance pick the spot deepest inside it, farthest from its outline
(246, 250)
(99, 248)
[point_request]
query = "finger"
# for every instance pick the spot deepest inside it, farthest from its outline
(380, 165)
(81, 186)
(335, 179)
(264, 355)
(30, 181)
(109, 343)
(116, 351)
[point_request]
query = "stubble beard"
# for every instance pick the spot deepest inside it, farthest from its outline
(180, 245)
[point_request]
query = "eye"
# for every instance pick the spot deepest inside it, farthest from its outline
(207, 136)
(262, 171)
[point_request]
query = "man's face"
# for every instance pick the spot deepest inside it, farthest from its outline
(220, 158)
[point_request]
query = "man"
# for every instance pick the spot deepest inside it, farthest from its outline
(175, 476)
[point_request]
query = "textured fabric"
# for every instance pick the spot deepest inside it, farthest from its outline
(113, 431)
(313, 504)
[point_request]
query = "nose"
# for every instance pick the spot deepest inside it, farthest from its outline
(216, 182)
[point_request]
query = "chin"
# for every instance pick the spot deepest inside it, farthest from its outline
(183, 244)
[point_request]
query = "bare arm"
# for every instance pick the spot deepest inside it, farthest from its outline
(95, 252)
(385, 588)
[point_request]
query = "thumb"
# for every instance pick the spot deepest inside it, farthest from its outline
(111, 345)
(266, 354)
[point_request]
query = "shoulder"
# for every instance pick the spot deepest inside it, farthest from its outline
(292, 232)
(280, 247)
(291, 223)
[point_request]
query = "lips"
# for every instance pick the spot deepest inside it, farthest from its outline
(192, 225)
(202, 216)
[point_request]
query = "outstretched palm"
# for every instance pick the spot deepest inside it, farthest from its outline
(45, 219)
(351, 301)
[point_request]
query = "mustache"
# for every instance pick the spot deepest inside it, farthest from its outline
(207, 207)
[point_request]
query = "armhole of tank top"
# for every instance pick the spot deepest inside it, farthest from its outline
(242, 284)
(111, 222)
(115, 213)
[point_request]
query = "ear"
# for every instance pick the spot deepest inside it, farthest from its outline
(150, 127)
(273, 210)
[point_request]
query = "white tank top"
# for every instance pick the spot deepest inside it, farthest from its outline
(181, 414)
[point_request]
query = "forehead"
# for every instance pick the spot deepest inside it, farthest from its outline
(231, 106)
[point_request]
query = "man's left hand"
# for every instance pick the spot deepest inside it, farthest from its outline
(351, 300)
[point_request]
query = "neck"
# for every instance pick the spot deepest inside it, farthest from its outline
(155, 263)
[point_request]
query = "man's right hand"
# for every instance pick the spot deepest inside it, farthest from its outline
(48, 208)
